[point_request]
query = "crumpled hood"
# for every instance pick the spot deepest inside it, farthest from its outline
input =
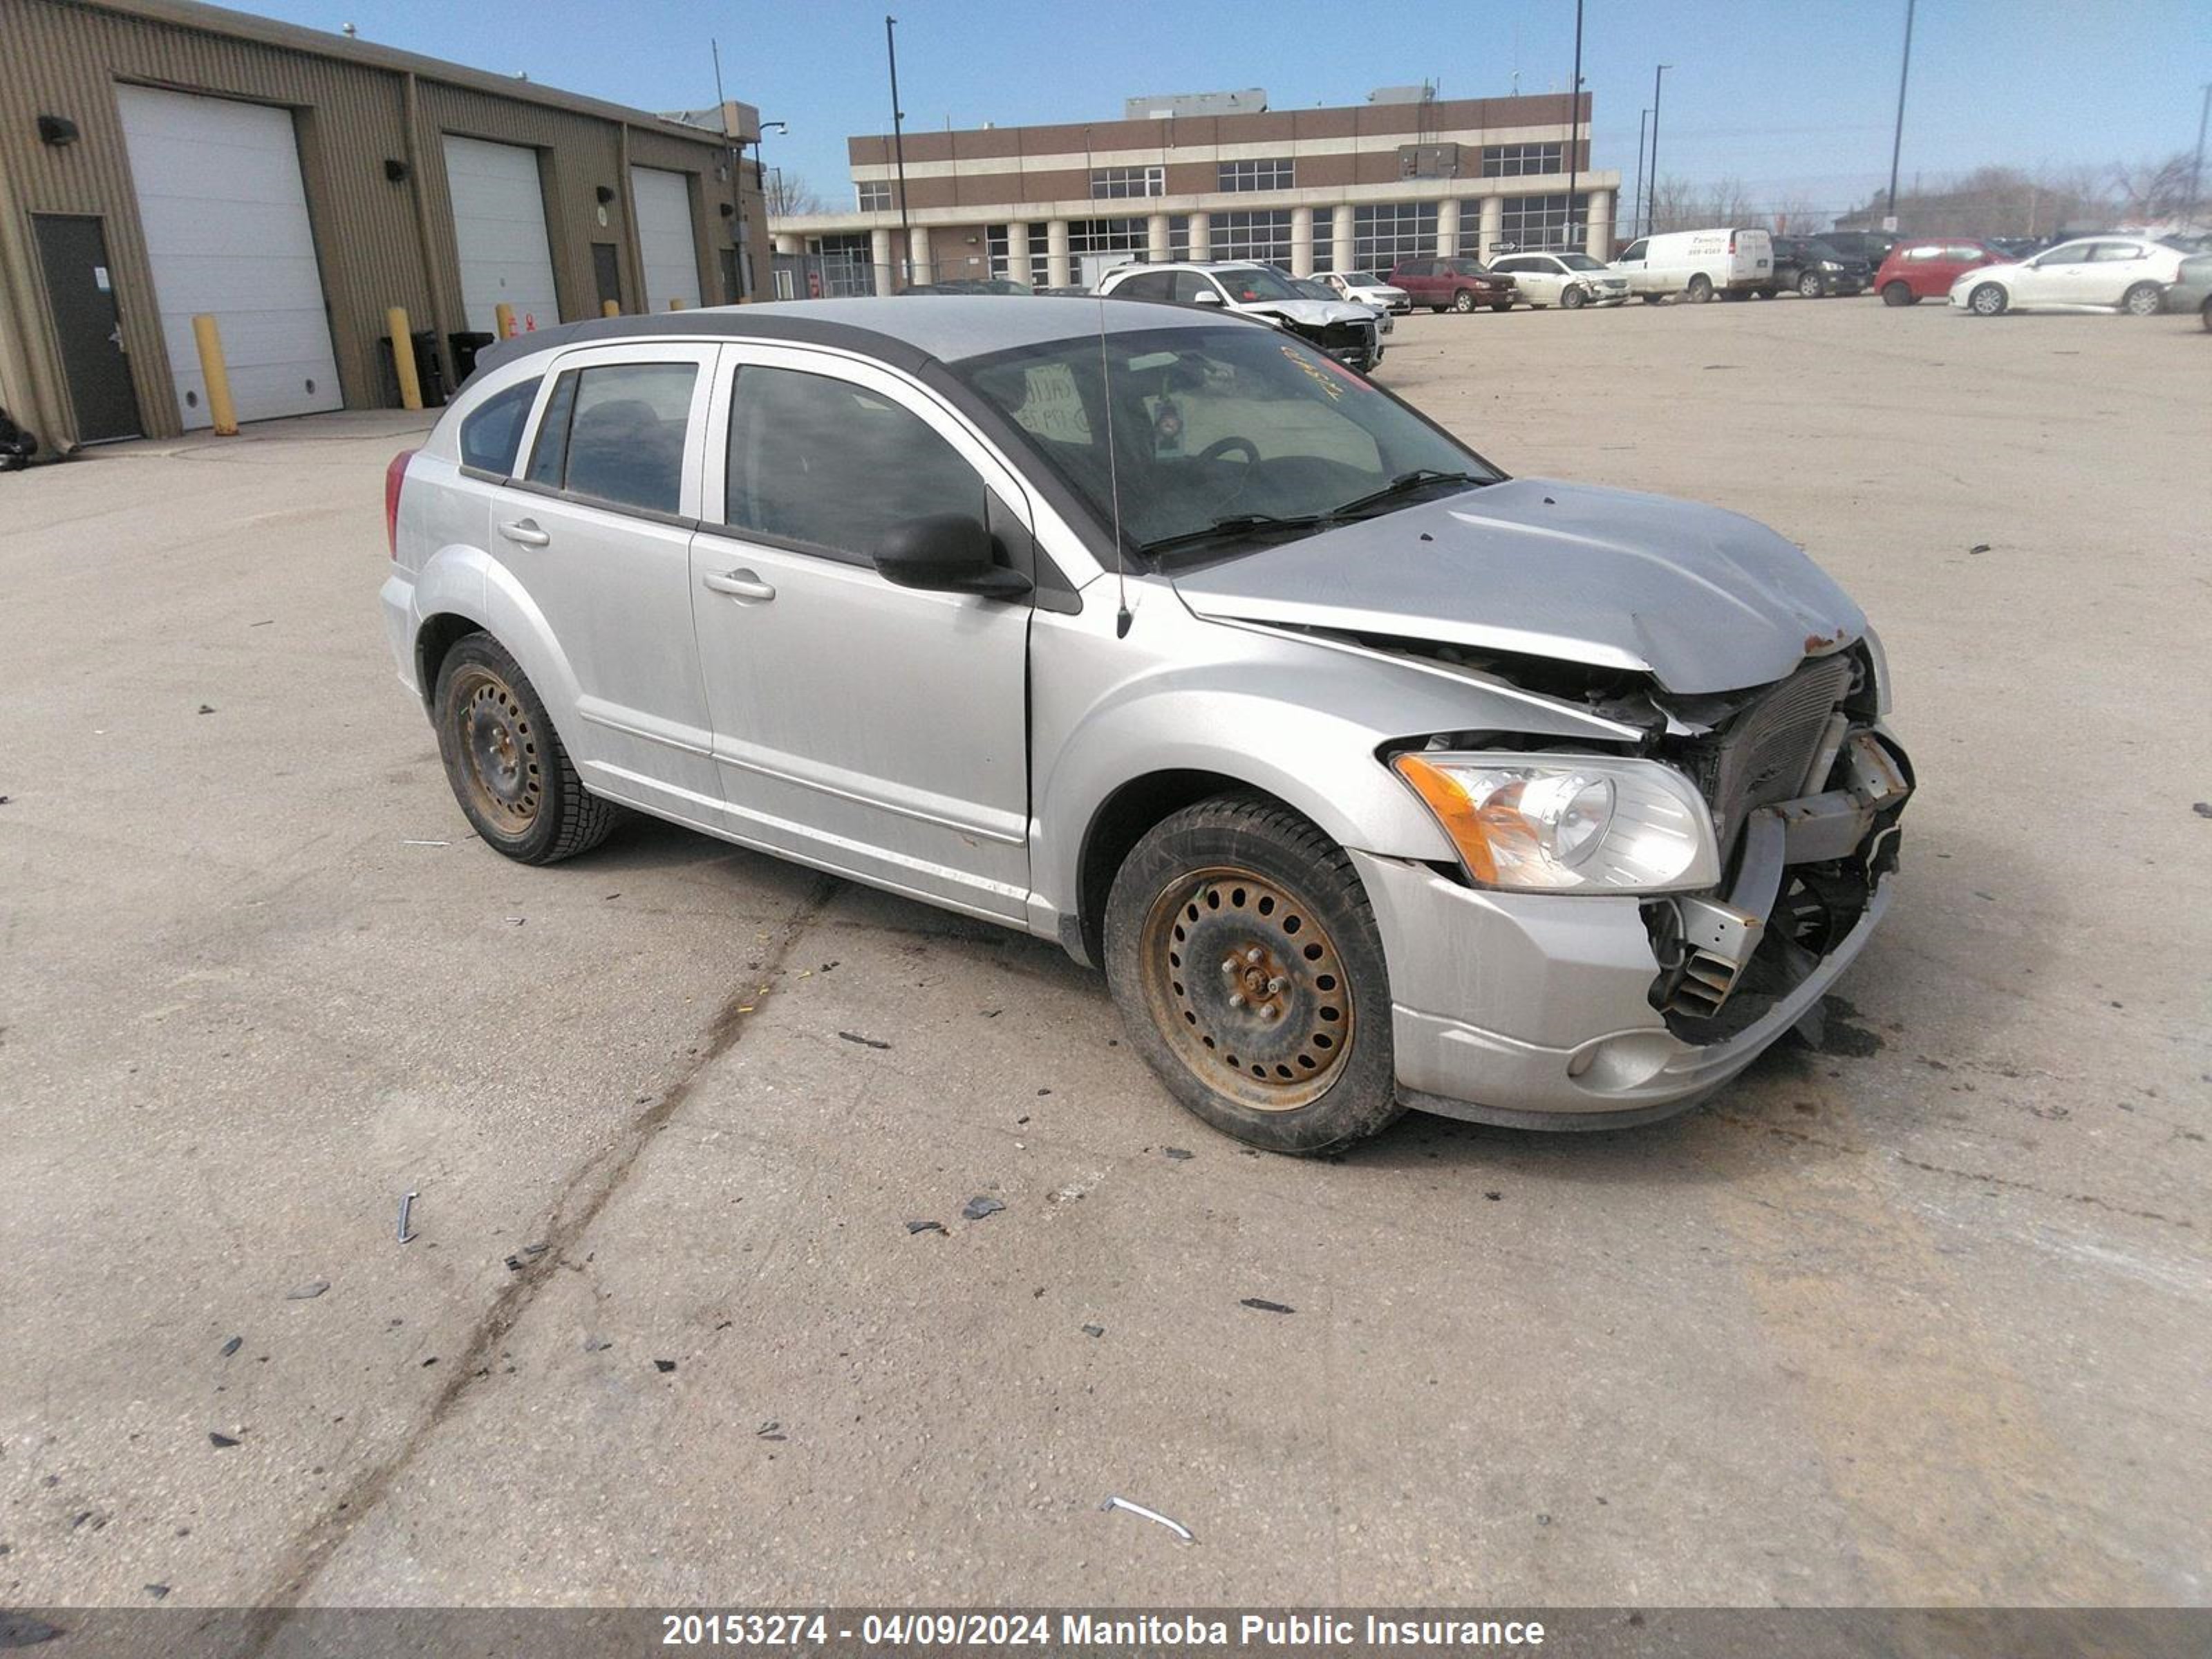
(1703, 599)
(1312, 313)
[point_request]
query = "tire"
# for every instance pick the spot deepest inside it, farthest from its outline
(1809, 286)
(1897, 293)
(1990, 300)
(507, 766)
(2204, 315)
(1573, 300)
(1699, 290)
(1508, 306)
(1438, 311)
(1768, 293)
(1204, 893)
(2143, 300)
(1463, 300)
(1651, 299)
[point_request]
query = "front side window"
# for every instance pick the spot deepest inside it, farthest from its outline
(491, 437)
(616, 433)
(830, 466)
(1633, 250)
(1211, 424)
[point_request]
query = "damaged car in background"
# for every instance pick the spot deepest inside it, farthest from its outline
(1373, 778)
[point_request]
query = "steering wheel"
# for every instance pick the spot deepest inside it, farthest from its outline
(1222, 447)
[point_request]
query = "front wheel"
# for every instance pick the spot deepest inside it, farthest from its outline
(1463, 300)
(2144, 299)
(1243, 956)
(509, 768)
(1574, 299)
(1897, 293)
(1987, 300)
(1809, 286)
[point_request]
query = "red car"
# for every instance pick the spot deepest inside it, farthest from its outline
(1925, 269)
(1461, 284)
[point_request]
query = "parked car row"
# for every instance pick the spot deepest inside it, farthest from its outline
(1351, 333)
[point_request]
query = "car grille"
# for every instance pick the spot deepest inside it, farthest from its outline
(1760, 757)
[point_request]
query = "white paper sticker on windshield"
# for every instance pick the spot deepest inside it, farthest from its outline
(1051, 407)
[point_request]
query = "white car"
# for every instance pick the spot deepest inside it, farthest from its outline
(1353, 334)
(1364, 288)
(1570, 281)
(2092, 273)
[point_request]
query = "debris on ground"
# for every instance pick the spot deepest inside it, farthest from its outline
(596, 1344)
(233, 1346)
(426, 843)
(308, 1291)
(206, 708)
(664, 1366)
(406, 1209)
(1174, 1527)
(1179, 1154)
(913, 1227)
(159, 1592)
(770, 1430)
(1263, 1305)
(1979, 546)
(1493, 1197)
(1094, 1330)
(2202, 808)
(865, 1042)
(979, 1206)
(221, 1442)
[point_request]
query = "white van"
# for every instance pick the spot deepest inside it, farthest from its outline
(1697, 264)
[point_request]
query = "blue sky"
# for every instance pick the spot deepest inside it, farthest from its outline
(1795, 99)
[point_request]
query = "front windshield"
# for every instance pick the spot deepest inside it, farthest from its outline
(1580, 262)
(1222, 436)
(1364, 279)
(1249, 282)
(1467, 267)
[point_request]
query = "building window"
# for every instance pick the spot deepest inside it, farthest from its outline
(1118, 184)
(1518, 160)
(1533, 223)
(1391, 231)
(1264, 238)
(848, 264)
(1179, 236)
(873, 199)
(1274, 173)
(997, 247)
(1104, 236)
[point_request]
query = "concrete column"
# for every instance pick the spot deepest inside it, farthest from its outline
(786, 242)
(1599, 244)
(880, 256)
(1201, 236)
(1155, 238)
(1447, 229)
(919, 255)
(1017, 250)
(1055, 254)
(1492, 227)
(1301, 259)
(1343, 253)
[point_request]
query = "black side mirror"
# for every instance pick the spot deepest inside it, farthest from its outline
(947, 553)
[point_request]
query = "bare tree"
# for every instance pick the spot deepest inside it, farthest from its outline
(788, 194)
(2149, 192)
(1793, 215)
(1677, 204)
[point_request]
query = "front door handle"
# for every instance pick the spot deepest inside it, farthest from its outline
(524, 532)
(740, 585)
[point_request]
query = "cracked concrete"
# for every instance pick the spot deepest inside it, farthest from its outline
(1922, 1322)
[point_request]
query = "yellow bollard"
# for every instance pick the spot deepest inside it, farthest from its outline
(403, 357)
(676, 305)
(610, 307)
(502, 321)
(216, 374)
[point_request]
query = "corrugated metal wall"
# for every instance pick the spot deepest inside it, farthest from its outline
(65, 58)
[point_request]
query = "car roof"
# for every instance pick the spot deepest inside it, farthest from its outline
(903, 330)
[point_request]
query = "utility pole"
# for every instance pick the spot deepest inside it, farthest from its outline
(2197, 168)
(1636, 202)
(1651, 210)
(1575, 128)
(898, 149)
(1897, 144)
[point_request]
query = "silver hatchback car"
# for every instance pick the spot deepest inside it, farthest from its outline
(1373, 778)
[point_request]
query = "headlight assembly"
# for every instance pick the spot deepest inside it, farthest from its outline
(1568, 824)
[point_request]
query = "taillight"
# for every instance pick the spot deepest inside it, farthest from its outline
(395, 475)
(1731, 241)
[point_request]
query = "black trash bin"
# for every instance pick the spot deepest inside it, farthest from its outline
(430, 372)
(464, 347)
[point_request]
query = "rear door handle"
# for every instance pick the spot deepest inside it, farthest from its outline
(524, 532)
(740, 585)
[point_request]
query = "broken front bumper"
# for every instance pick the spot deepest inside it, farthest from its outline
(1537, 1011)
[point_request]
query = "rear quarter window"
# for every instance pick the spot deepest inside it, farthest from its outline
(491, 434)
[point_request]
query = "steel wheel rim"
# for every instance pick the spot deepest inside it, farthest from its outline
(1248, 988)
(497, 742)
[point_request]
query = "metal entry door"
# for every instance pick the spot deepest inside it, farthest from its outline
(81, 293)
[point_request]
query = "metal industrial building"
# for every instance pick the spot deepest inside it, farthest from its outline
(160, 159)
(1220, 175)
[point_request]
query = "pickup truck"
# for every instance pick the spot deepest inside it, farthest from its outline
(1452, 284)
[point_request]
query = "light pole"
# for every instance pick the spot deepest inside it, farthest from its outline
(1651, 207)
(1897, 143)
(2197, 167)
(1575, 127)
(1636, 202)
(898, 149)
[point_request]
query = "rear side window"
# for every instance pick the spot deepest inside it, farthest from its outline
(492, 436)
(616, 433)
(831, 465)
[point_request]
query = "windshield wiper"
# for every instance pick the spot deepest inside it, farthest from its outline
(1236, 524)
(1405, 483)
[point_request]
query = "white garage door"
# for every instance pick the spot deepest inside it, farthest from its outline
(664, 236)
(226, 223)
(499, 231)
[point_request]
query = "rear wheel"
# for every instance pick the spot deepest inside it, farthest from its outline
(1699, 290)
(1463, 300)
(509, 768)
(1243, 956)
(1987, 300)
(1897, 293)
(2143, 300)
